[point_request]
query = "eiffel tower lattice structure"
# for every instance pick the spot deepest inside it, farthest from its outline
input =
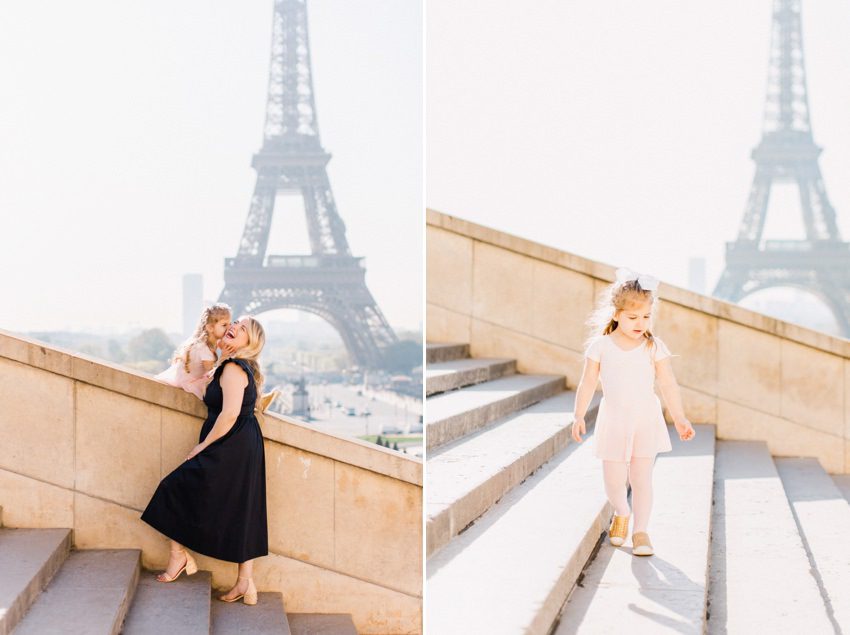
(328, 282)
(787, 153)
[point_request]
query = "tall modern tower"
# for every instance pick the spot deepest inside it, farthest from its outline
(819, 263)
(329, 282)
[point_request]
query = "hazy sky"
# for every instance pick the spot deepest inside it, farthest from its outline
(126, 136)
(622, 130)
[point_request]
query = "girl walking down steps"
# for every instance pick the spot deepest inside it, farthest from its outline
(630, 428)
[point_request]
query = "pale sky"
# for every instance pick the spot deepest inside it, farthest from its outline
(621, 130)
(126, 136)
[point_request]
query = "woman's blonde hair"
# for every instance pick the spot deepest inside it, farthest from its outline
(211, 315)
(250, 353)
(616, 297)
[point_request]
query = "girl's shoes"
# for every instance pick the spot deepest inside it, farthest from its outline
(249, 597)
(641, 545)
(190, 567)
(618, 530)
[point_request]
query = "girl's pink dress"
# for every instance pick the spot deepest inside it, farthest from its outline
(630, 422)
(195, 381)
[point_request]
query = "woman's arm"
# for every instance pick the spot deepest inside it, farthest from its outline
(233, 381)
(671, 394)
(584, 393)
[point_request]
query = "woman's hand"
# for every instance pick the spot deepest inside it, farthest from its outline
(579, 428)
(685, 429)
(196, 451)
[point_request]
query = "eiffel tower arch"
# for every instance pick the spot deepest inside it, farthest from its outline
(820, 263)
(328, 282)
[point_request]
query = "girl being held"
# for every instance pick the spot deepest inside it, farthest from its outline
(630, 427)
(196, 357)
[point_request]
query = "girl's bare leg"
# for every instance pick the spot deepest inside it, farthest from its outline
(615, 474)
(640, 477)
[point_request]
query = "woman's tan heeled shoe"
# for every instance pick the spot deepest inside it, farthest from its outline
(249, 597)
(190, 567)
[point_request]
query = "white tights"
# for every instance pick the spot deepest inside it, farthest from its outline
(638, 472)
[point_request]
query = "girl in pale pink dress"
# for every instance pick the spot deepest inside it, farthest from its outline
(630, 427)
(196, 357)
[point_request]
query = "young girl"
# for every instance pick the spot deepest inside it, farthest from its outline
(196, 357)
(630, 427)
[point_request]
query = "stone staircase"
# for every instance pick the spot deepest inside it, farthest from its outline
(516, 521)
(47, 587)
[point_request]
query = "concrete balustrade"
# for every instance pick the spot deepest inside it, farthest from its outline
(85, 444)
(754, 376)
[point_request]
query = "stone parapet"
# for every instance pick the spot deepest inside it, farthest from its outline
(755, 376)
(85, 444)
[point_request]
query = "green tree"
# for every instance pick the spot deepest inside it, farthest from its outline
(402, 356)
(115, 352)
(150, 344)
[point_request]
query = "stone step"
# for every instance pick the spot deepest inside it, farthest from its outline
(823, 520)
(29, 558)
(842, 482)
(511, 571)
(91, 593)
(667, 591)
(466, 477)
(435, 352)
(444, 376)
(321, 624)
(267, 617)
(182, 606)
(760, 577)
(455, 414)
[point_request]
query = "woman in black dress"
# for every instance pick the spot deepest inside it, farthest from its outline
(215, 502)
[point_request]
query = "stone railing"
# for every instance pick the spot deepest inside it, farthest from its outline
(755, 376)
(83, 445)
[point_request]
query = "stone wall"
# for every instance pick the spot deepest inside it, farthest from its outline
(756, 377)
(83, 445)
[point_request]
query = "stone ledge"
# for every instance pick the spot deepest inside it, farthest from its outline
(666, 292)
(143, 387)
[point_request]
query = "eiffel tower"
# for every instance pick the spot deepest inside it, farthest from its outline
(328, 282)
(787, 152)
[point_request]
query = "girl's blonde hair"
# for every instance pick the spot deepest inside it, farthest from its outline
(616, 297)
(251, 351)
(211, 315)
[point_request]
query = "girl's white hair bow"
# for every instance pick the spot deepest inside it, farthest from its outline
(646, 282)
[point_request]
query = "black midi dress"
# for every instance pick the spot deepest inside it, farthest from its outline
(215, 503)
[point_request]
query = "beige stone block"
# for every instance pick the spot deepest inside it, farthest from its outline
(561, 301)
(101, 524)
(180, 433)
(28, 502)
(300, 501)
(812, 388)
(443, 325)
(375, 609)
(378, 523)
(118, 446)
(692, 335)
(783, 437)
(36, 423)
(448, 275)
(847, 401)
(699, 407)
(502, 291)
(33, 353)
(748, 368)
(532, 355)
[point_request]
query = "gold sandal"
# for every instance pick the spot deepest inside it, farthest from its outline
(618, 530)
(641, 545)
(190, 567)
(250, 595)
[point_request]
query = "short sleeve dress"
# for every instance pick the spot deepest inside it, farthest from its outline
(630, 421)
(215, 503)
(195, 381)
